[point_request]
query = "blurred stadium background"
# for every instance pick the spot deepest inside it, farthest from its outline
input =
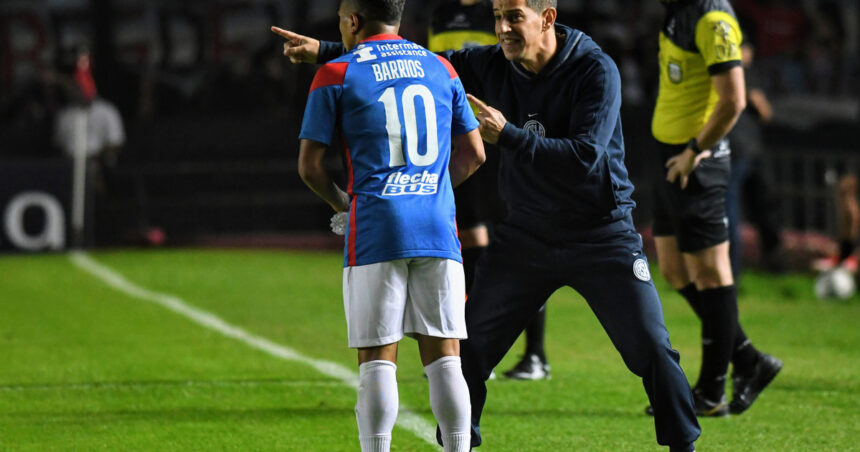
(212, 110)
(91, 359)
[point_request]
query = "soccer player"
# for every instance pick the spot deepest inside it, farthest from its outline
(556, 120)
(395, 106)
(455, 25)
(701, 96)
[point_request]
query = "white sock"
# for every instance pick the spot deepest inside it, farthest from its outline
(377, 405)
(449, 399)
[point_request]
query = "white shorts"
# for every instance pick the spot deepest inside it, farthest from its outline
(385, 300)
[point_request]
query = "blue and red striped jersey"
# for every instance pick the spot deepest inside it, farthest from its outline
(395, 106)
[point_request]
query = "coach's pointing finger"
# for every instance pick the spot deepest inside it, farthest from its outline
(492, 120)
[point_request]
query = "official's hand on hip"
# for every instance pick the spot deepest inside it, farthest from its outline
(492, 121)
(683, 164)
(300, 49)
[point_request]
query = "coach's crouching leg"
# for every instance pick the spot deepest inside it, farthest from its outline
(648, 353)
(631, 313)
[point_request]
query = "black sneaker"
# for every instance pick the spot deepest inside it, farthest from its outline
(747, 387)
(531, 367)
(709, 408)
(703, 406)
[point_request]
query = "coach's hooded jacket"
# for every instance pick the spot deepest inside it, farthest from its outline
(562, 150)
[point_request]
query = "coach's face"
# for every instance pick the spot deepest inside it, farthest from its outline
(519, 29)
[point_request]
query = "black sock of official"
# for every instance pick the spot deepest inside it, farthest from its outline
(744, 355)
(535, 334)
(691, 294)
(846, 249)
(719, 325)
(470, 258)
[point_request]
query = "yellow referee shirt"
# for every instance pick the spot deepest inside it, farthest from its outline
(699, 38)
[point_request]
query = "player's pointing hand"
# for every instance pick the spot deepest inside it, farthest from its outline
(492, 121)
(300, 49)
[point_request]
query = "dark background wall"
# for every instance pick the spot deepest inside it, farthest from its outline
(212, 109)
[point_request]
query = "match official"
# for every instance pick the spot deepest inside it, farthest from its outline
(700, 98)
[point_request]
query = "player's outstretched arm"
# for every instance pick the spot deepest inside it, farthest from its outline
(299, 48)
(315, 176)
(468, 156)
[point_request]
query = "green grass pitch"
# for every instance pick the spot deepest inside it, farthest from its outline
(86, 367)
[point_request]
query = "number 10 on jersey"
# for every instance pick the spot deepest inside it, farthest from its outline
(393, 126)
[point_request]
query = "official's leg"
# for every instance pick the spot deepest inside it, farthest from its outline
(631, 313)
(674, 270)
(535, 335)
(533, 365)
(473, 241)
(671, 263)
(753, 370)
(710, 269)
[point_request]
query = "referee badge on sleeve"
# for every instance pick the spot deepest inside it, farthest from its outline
(641, 271)
(674, 71)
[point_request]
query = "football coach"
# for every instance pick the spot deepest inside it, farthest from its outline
(551, 101)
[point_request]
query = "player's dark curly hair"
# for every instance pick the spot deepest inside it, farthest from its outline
(385, 11)
(540, 5)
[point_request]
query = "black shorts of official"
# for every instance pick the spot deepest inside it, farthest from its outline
(478, 201)
(696, 215)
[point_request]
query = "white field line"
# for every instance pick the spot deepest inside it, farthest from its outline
(145, 385)
(406, 419)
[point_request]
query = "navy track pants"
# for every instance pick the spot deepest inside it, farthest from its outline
(516, 275)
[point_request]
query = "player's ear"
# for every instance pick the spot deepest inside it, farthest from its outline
(549, 15)
(355, 23)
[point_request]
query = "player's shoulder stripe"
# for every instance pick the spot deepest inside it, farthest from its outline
(383, 37)
(329, 74)
(448, 66)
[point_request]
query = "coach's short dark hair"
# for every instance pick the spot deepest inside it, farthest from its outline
(540, 5)
(385, 11)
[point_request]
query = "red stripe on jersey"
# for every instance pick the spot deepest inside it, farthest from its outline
(350, 174)
(349, 170)
(383, 37)
(448, 66)
(329, 74)
(351, 244)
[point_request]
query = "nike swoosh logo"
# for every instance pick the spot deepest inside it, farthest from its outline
(532, 115)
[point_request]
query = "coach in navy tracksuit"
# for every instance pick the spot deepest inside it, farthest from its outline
(557, 122)
(569, 223)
